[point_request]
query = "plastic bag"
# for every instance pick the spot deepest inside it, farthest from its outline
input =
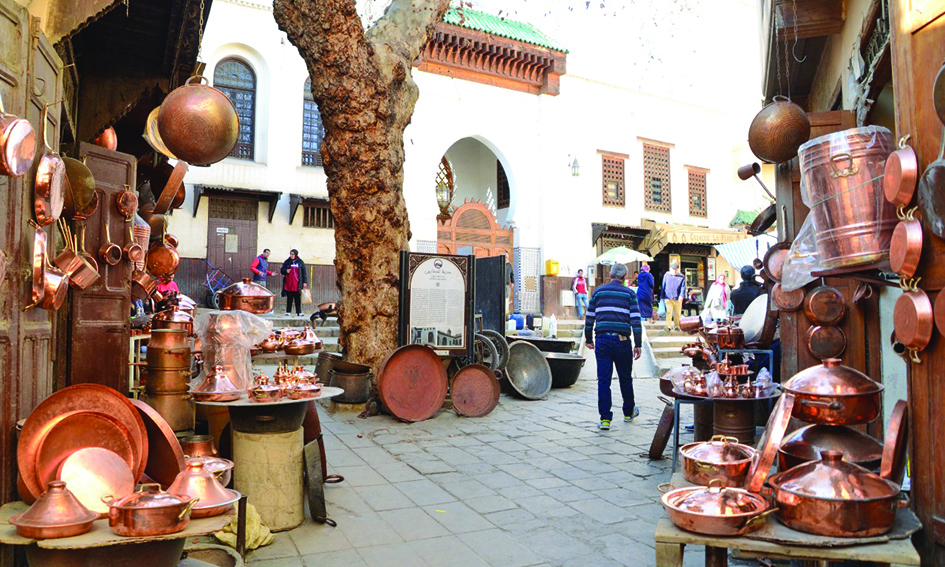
(678, 376)
(802, 258)
(661, 310)
(714, 384)
(306, 296)
(226, 338)
(764, 381)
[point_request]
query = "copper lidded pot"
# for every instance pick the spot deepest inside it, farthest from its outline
(722, 458)
(56, 513)
(173, 318)
(198, 446)
(834, 394)
(247, 296)
(715, 510)
(199, 482)
(835, 498)
(149, 512)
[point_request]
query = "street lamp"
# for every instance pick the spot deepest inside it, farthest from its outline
(575, 167)
(444, 198)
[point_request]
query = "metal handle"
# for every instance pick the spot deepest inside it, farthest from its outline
(724, 439)
(187, 509)
(846, 172)
(760, 517)
(665, 487)
(149, 487)
(836, 406)
(200, 80)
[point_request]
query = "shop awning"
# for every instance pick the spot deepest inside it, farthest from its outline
(599, 229)
(661, 234)
(271, 197)
(742, 252)
(296, 200)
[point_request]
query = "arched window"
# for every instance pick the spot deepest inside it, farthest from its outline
(313, 131)
(238, 82)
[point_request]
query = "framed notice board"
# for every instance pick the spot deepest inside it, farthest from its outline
(436, 302)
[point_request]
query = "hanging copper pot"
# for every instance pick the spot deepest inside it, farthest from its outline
(163, 260)
(127, 202)
(108, 139)
(787, 300)
(198, 123)
(17, 144)
(825, 341)
(778, 130)
(50, 182)
(144, 285)
(109, 253)
(172, 241)
(55, 286)
(81, 187)
(913, 319)
(774, 260)
(152, 134)
(833, 394)
(38, 266)
(905, 249)
(901, 174)
(825, 305)
(132, 251)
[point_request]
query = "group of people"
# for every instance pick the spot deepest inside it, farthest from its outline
(294, 279)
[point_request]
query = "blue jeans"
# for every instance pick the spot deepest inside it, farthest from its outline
(580, 302)
(610, 352)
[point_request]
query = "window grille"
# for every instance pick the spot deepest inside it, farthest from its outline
(238, 82)
(313, 131)
(613, 181)
(656, 185)
(445, 174)
(502, 182)
(318, 216)
(697, 194)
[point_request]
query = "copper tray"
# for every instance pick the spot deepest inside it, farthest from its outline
(770, 441)
(92, 473)
(825, 305)
(774, 260)
(76, 430)
(165, 455)
(787, 300)
(893, 465)
(412, 383)
(81, 397)
(824, 341)
(474, 391)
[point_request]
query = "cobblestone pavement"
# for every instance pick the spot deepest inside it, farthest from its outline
(532, 484)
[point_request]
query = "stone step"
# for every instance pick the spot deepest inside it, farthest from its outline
(666, 352)
(670, 341)
(666, 364)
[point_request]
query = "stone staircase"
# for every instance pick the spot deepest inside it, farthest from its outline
(327, 332)
(666, 346)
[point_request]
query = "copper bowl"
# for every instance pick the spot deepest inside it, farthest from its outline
(833, 394)
(198, 123)
(778, 130)
(107, 139)
(150, 512)
(198, 446)
(56, 513)
(715, 510)
(807, 443)
(199, 482)
(247, 296)
(721, 458)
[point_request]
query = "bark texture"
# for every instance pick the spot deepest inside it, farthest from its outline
(361, 81)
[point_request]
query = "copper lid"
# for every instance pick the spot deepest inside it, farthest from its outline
(217, 381)
(173, 314)
(832, 379)
(55, 507)
(832, 478)
(716, 501)
(148, 496)
(197, 481)
(246, 288)
(807, 443)
(216, 465)
(720, 450)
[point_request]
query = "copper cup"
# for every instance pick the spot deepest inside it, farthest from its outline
(198, 446)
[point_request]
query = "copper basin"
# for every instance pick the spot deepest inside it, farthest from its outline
(833, 394)
(715, 510)
(722, 459)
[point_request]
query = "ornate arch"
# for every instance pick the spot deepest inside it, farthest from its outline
(473, 224)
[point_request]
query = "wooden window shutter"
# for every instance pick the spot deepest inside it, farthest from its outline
(613, 181)
(657, 193)
(698, 207)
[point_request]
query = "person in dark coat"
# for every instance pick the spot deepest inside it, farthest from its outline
(645, 285)
(747, 291)
(294, 281)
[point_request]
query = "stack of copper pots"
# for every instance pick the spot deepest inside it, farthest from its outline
(167, 376)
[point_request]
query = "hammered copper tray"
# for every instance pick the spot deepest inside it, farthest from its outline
(412, 383)
(165, 455)
(893, 465)
(770, 441)
(474, 391)
(76, 430)
(81, 397)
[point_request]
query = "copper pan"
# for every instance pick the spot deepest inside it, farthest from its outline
(152, 134)
(80, 241)
(144, 285)
(162, 260)
(198, 123)
(127, 202)
(132, 251)
(774, 260)
(17, 144)
(715, 510)
(50, 181)
(39, 265)
(825, 305)
(825, 341)
(172, 241)
(893, 465)
(55, 287)
(787, 300)
(930, 189)
(81, 272)
(81, 187)
(778, 130)
(938, 94)
(905, 249)
(913, 319)
(109, 253)
(900, 174)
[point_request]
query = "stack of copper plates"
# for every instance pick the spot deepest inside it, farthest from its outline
(90, 433)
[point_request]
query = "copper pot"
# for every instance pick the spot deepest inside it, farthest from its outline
(263, 392)
(198, 446)
(778, 130)
(721, 458)
(221, 468)
(168, 348)
(144, 285)
(172, 241)
(126, 202)
(197, 481)
(132, 251)
(173, 318)
(833, 394)
(108, 139)
(247, 296)
(177, 408)
(166, 380)
(834, 498)
(807, 443)
(729, 337)
(905, 249)
(38, 268)
(900, 174)
(56, 513)
(913, 319)
(163, 260)
(150, 512)
(271, 344)
(51, 180)
(198, 123)
(108, 252)
(55, 287)
(17, 144)
(715, 510)
(217, 387)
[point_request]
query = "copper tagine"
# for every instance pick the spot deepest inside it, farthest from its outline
(217, 387)
(56, 513)
(199, 482)
(834, 394)
(173, 318)
(834, 478)
(264, 392)
(247, 296)
(807, 443)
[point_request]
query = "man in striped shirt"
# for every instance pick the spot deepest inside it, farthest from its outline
(614, 309)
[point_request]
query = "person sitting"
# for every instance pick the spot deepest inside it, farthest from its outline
(747, 290)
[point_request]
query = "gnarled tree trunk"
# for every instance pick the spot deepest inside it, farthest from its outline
(362, 84)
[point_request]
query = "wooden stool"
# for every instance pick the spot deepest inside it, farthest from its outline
(268, 469)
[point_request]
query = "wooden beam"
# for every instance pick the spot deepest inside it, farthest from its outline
(814, 18)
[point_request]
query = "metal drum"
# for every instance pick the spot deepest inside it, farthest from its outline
(529, 375)
(357, 387)
(168, 348)
(842, 177)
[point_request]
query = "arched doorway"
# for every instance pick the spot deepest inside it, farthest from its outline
(473, 230)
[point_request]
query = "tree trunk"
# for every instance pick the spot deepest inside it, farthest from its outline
(362, 84)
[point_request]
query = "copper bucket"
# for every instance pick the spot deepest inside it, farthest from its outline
(842, 181)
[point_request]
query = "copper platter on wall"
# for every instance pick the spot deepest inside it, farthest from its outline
(893, 465)
(474, 391)
(774, 260)
(787, 300)
(165, 455)
(770, 441)
(412, 383)
(825, 305)
(81, 397)
(77, 430)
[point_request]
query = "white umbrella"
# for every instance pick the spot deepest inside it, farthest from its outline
(622, 255)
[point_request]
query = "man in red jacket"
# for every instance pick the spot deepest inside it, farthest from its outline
(260, 268)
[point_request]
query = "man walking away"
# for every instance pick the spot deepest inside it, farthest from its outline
(747, 291)
(614, 310)
(673, 292)
(579, 287)
(260, 268)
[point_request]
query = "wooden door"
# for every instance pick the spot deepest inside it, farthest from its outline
(918, 39)
(231, 236)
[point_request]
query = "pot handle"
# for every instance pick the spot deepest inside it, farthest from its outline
(665, 487)
(149, 487)
(188, 508)
(779, 98)
(200, 80)
(835, 160)
(760, 517)
(836, 406)
(108, 499)
(724, 439)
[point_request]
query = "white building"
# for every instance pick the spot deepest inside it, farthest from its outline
(655, 171)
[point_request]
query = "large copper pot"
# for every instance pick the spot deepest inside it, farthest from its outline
(177, 408)
(168, 348)
(715, 510)
(198, 123)
(721, 458)
(834, 394)
(247, 296)
(173, 318)
(165, 380)
(149, 512)
(843, 179)
(834, 498)
(807, 443)
(778, 130)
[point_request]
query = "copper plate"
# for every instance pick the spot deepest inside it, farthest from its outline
(474, 391)
(893, 465)
(81, 397)
(912, 319)
(412, 383)
(95, 472)
(940, 312)
(165, 455)
(787, 300)
(825, 305)
(774, 260)
(770, 441)
(824, 341)
(77, 430)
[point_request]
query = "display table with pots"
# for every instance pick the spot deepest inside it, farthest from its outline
(100, 546)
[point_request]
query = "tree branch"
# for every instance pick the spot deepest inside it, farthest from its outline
(406, 26)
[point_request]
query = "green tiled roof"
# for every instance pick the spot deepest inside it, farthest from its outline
(744, 217)
(502, 27)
